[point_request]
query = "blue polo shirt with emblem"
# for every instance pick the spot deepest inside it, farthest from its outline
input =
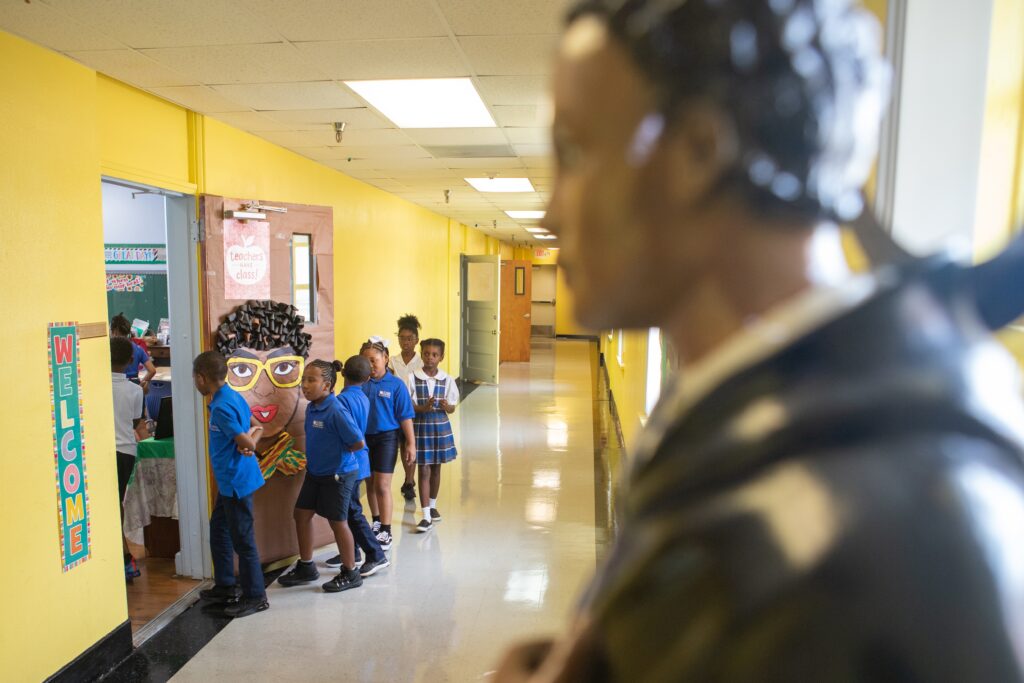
(389, 403)
(354, 402)
(236, 474)
(330, 433)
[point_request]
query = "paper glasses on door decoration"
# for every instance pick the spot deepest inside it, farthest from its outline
(266, 351)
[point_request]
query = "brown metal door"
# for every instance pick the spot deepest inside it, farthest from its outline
(516, 298)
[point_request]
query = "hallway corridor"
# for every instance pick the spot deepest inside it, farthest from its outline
(514, 550)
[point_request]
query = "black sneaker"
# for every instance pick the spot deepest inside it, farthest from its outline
(375, 528)
(409, 491)
(424, 526)
(301, 573)
(227, 594)
(370, 567)
(435, 516)
(246, 606)
(384, 538)
(344, 581)
(336, 561)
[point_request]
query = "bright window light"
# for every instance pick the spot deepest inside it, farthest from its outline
(525, 215)
(427, 102)
(501, 184)
(537, 231)
(546, 237)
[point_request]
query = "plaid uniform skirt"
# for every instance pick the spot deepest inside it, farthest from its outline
(435, 444)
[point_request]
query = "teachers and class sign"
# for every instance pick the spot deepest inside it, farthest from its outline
(68, 445)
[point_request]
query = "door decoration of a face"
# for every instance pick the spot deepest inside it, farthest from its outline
(266, 351)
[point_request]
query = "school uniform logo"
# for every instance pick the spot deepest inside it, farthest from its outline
(384, 394)
(214, 428)
(318, 424)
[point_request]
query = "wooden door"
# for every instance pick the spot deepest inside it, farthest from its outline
(516, 304)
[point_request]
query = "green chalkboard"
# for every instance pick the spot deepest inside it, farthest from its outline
(149, 304)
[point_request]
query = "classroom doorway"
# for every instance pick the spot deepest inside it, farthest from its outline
(481, 289)
(516, 313)
(150, 237)
(542, 318)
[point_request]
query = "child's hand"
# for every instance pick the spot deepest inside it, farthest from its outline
(410, 454)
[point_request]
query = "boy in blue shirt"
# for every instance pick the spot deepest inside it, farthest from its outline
(357, 406)
(232, 459)
(332, 440)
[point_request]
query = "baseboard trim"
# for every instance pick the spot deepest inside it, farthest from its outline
(100, 658)
(582, 337)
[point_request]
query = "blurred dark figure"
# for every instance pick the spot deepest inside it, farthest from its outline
(834, 490)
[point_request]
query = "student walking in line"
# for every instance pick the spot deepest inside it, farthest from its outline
(390, 413)
(403, 365)
(354, 402)
(434, 396)
(237, 473)
(127, 416)
(332, 441)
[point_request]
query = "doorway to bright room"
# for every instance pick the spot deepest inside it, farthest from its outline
(149, 252)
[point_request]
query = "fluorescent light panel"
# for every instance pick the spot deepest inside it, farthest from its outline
(537, 231)
(546, 237)
(427, 102)
(525, 215)
(501, 184)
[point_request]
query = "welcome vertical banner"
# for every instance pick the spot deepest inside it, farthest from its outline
(68, 445)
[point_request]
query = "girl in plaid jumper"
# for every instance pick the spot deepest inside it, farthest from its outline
(434, 397)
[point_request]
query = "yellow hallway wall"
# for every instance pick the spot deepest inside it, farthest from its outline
(51, 269)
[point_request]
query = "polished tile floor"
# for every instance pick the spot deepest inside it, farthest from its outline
(515, 549)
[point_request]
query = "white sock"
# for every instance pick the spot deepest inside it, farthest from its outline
(426, 514)
(433, 503)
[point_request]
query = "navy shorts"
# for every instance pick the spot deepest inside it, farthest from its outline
(327, 496)
(383, 451)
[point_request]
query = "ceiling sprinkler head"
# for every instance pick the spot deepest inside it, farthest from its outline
(339, 129)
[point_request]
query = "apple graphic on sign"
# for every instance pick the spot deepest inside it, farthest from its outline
(246, 263)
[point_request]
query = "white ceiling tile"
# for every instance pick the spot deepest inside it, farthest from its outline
(523, 116)
(356, 118)
(132, 67)
(540, 173)
(452, 183)
(254, 63)
(501, 17)
(316, 95)
(323, 134)
(52, 28)
(292, 138)
(514, 90)
(483, 164)
(544, 161)
(529, 136)
(457, 136)
(252, 122)
(510, 55)
(349, 19)
(392, 153)
(200, 98)
(158, 23)
(385, 59)
(417, 168)
(532, 150)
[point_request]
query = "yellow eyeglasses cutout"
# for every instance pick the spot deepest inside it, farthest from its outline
(284, 372)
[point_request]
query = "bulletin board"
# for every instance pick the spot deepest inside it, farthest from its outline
(138, 295)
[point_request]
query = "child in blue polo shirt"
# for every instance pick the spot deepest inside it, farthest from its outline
(354, 402)
(390, 412)
(232, 451)
(332, 440)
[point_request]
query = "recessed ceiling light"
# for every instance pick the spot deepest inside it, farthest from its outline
(501, 184)
(526, 215)
(427, 102)
(537, 231)
(546, 237)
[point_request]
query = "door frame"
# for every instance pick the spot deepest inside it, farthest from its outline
(193, 559)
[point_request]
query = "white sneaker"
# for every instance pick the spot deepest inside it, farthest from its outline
(384, 538)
